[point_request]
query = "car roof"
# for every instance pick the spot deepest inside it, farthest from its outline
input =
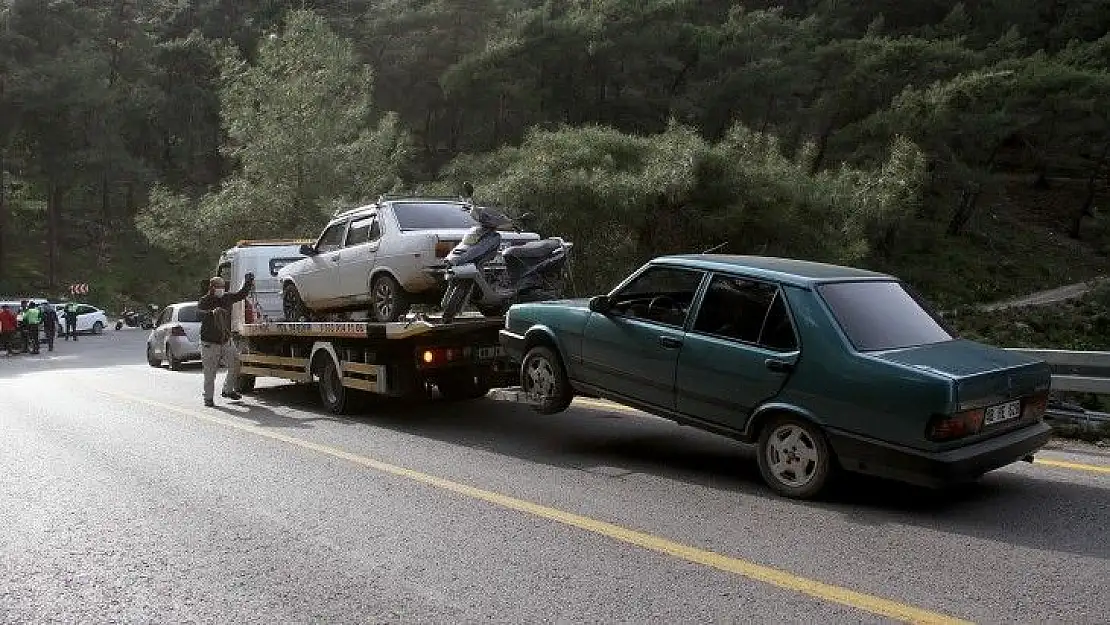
(347, 213)
(783, 270)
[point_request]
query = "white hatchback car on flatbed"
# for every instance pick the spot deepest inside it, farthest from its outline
(382, 257)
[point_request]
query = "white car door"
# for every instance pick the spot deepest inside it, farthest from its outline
(86, 317)
(319, 282)
(360, 251)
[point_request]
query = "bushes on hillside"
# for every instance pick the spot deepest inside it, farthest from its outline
(624, 198)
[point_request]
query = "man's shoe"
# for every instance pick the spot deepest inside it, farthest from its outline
(231, 395)
(209, 403)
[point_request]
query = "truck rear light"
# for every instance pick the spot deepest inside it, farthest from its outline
(953, 426)
(248, 313)
(436, 356)
(177, 331)
(443, 248)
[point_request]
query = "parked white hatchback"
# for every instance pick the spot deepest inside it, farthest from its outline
(383, 257)
(175, 337)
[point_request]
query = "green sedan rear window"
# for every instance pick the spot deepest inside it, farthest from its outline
(882, 315)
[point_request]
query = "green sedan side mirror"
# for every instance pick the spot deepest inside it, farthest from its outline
(600, 304)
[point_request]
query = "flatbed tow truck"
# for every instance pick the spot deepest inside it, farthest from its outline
(350, 359)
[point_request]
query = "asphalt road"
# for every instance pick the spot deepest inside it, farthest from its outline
(123, 499)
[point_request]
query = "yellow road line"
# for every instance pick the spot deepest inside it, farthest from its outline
(1074, 466)
(750, 570)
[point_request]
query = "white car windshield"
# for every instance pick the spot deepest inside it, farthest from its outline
(431, 216)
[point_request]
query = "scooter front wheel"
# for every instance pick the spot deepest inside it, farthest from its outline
(454, 301)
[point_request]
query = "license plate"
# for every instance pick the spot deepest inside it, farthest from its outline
(490, 352)
(1002, 412)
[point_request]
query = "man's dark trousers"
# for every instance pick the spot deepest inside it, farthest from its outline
(33, 337)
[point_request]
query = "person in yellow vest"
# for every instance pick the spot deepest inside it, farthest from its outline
(71, 320)
(32, 318)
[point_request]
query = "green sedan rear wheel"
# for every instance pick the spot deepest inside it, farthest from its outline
(794, 457)
(544, 379)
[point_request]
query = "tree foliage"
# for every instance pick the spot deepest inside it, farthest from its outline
(624, 198)
(302, 138)
(809, 128)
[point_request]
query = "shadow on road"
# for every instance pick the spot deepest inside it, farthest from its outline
(1035, 509)
(1017, 509)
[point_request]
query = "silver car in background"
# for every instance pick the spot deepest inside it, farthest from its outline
(175, 338)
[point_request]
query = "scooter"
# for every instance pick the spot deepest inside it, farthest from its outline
(134, 319)
(478, 271)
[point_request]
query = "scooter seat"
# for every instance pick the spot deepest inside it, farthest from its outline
(533, 249)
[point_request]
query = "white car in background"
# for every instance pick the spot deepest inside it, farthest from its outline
(382, 257)
(175, 338)
(90, 319)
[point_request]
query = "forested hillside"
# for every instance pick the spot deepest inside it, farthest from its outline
(964, 147)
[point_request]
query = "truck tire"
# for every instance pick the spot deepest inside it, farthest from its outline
(543, 376)
(462, 386)
(388, 301)
(337, 399)
(246, 383)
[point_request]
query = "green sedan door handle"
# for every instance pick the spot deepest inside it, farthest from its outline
(778, 366)
(670, 342)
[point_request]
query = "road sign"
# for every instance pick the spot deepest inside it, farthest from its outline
(79, 289)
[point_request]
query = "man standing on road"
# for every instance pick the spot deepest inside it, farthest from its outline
(71, 320)
(216, 343)
(31, 320)
(7, 329)
(49, 324)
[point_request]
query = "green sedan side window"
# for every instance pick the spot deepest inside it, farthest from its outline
(659, 294)
(748, 311)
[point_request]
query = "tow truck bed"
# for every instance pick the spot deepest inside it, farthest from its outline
(463, 359)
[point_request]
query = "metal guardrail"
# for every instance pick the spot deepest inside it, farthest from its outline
(1075, 372)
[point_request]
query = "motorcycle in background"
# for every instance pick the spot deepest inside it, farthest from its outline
(134, 319)
(479, 272)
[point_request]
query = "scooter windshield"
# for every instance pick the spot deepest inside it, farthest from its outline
(489, 218)
(474, 235)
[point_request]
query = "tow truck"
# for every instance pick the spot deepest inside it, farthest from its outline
(350, 359)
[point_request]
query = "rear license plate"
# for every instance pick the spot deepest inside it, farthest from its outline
(1002, 412)
(490, 352)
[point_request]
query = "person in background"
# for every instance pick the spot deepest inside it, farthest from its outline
(71, 320)
(49, 324)
(32, 318)
(8, 327)
(21, 326)
(216, 343)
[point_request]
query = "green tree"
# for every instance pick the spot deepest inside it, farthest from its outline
(623, 198)
(302, 135)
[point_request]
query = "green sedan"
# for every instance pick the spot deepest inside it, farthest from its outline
(824, 368)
